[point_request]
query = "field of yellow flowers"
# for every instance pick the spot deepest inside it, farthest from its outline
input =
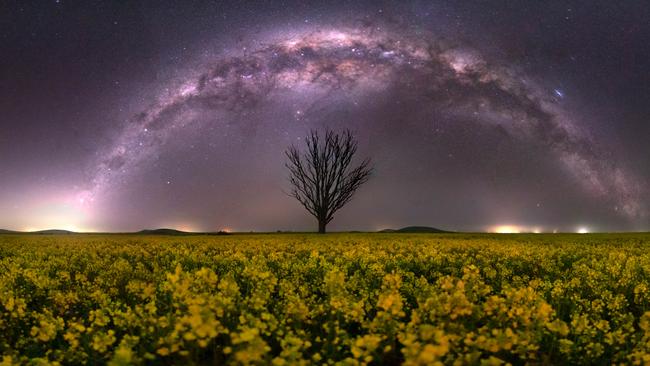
(349, 299)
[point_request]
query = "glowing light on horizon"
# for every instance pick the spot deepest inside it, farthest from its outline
(506, 229)
(583, 230)
(57, 211)
(515, 229)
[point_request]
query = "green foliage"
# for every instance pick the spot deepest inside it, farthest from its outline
(349, 299)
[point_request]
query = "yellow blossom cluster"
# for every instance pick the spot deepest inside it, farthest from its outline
(338, 299)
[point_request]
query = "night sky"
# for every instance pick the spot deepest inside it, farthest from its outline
(118, 116)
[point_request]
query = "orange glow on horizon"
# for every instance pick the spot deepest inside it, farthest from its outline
(506, 229)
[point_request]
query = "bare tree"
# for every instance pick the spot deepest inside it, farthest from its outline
(322, 178)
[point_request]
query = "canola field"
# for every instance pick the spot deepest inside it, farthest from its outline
(348, 299)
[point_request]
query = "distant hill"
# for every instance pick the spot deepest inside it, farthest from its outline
(162, 231)
(52, 232)
(166, 231)
(39, 232)
(415, 229)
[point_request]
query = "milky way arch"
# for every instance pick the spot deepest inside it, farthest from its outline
(452, 78)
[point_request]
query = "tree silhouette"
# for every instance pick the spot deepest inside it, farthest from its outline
(322, 178)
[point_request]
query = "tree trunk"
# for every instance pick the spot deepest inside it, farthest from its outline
(321, 226)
